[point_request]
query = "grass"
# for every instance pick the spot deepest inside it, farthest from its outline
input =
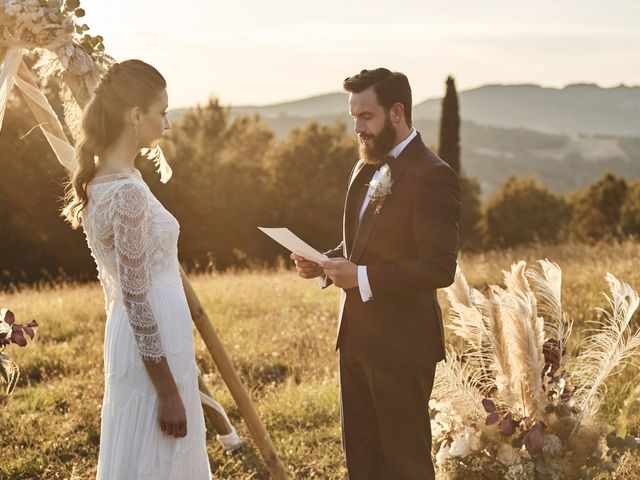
(279, 331)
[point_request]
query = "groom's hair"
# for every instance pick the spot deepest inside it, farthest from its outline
(390, 87)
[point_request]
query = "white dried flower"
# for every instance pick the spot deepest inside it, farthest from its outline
(507, 455)
(4, 327)
(381, 187)
(80, 62)
(473, 439)
(443, 453)
(460, 447)
(439, 428)
(12, 8)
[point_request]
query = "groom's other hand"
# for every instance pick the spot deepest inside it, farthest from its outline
(342, 272)
(306, 268)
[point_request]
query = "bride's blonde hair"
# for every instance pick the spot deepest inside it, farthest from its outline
(128, 84)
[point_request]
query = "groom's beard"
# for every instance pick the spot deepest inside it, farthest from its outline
(383, 142)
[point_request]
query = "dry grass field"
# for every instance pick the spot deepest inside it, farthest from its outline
(279, 330)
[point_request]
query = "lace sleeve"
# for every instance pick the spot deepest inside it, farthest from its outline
(130, 217)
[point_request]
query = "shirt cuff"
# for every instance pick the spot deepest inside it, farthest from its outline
(363, 284)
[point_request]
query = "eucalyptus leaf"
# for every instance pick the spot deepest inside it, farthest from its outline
(488, 405)
(492, 418)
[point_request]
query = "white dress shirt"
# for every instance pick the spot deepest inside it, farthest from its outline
(363, 279)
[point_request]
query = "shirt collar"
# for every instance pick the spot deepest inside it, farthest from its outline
(397, 150)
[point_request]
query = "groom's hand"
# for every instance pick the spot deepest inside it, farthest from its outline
(306, 268)
(342, 272)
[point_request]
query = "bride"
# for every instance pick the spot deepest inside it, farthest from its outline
(152, 421)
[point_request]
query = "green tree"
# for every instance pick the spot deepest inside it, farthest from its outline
(471, 237)
(630, 212)
(309, 176)
(596, 211)
(36, 243)
(219, 190)
(449, 151)
(523, 211)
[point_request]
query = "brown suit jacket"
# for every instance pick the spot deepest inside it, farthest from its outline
(410, 249)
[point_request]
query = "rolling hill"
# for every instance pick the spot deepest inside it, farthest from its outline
(568, 137)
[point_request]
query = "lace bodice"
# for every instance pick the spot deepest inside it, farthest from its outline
(133, 240)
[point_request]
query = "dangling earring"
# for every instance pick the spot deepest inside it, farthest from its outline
(135, 129)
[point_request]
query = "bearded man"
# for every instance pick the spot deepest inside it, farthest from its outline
(400, 244)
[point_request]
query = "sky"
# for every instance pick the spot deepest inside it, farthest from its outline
(261, 52)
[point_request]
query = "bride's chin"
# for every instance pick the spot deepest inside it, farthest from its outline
(151, 145)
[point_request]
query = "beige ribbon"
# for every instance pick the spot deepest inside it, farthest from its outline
(231, 441)
(9, 69)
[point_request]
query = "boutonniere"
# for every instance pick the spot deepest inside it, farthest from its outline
(381, 188)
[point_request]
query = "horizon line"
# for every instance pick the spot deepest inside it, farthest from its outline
(335, 92)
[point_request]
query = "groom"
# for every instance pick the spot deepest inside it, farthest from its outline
(400, 243)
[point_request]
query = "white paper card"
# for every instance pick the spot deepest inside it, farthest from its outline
(295, 244)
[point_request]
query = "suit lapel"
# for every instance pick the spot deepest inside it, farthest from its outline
(362, 173)
(398, 166)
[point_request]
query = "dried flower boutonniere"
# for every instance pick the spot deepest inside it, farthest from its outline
(381, 188)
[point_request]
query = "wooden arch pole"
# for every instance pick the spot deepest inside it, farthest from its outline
(202, 323)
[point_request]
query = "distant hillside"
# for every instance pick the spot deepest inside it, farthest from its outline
(327, 104)
(490, 154)
(330, 104)
(580, 108)
(568, 137)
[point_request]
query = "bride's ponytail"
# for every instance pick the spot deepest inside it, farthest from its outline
(87, 149)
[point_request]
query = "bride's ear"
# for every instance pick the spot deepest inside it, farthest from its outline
(135, 115)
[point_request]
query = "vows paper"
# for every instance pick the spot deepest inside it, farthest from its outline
(293, 243)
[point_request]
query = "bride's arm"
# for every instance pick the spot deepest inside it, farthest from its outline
(171, 412)
(130, 219)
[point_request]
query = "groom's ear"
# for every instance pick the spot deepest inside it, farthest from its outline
(396, 113)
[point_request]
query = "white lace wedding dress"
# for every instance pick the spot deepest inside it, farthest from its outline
(133, 239)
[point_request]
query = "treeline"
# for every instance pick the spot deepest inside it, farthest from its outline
(231, 175)
(524, 211)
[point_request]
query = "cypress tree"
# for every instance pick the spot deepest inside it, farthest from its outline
(449, 145)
